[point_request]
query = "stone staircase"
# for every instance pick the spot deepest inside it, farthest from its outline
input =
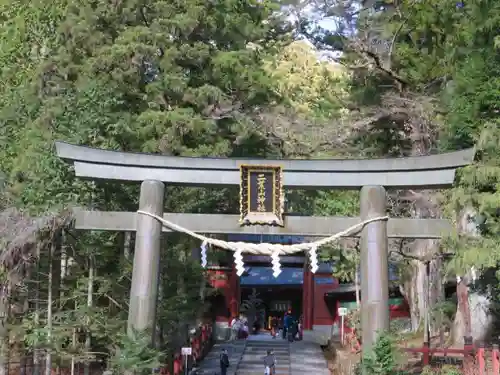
(252, 362)
(210, 365)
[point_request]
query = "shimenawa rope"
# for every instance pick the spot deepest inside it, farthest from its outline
(264, 248)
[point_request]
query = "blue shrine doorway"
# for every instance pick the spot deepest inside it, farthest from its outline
(275, 296)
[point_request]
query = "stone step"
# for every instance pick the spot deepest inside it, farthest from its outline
(258, 357)
(272, 347)
(277, 353)
(268, 342)
(261, 367)
(307, 358)
(211, 363)
(259, 360)
(252, 361)
(260, 371)
(266, 348)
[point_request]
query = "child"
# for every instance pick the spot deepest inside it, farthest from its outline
(270, 363)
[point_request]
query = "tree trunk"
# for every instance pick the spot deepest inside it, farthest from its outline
(436, 296)
(356, 286)
(4, 329)
(159, 339)
(48, 357)
(127, 245)
(424, 206)
(462, 323)
(196, 256)
(36, 320)
(415, 290)
(53, 290)
(425, 250)
(184, 326)
(90, 293)
(22, 309)
(73, 343)
(65, 263)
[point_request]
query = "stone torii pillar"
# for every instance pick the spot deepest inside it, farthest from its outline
(145, 274)
(374, 267)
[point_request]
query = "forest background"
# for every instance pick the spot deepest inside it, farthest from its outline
(233, 78)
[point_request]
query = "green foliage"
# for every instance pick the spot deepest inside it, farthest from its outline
(353, 319)
(444, 370)
(158, 79)
(434, 88)
(135, 354)
(172, 78)
(180, 291)
(251, 305)
(309, 85)
(383, 359)
(444, 312)
(345, 261)
(472, 103)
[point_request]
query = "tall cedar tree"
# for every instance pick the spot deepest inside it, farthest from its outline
(170, 77)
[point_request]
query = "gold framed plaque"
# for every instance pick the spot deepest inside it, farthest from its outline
(261, 195)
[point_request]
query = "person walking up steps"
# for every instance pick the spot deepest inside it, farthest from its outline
(224, 362)
(269, 363)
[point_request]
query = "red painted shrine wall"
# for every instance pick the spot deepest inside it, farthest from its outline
(315, 310)
(322, 284)
(307, 299)
(315, 288)
(227, 283)
(218, 279)
(399, 311)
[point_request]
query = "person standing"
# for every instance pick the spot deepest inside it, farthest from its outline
(284, 320)
(224, 362)
(256, 326)
(235, 326)
(245, 331)
(300, 327)
(286, 323)
(243, 319)
(292, 329)
(274, 326)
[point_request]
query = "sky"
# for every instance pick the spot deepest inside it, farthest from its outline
(326, 23)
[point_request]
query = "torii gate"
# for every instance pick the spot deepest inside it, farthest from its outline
(371, 176)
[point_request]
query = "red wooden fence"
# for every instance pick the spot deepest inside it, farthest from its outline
(470, 359)
(201, 343)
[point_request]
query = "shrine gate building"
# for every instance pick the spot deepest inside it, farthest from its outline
(313, 297)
